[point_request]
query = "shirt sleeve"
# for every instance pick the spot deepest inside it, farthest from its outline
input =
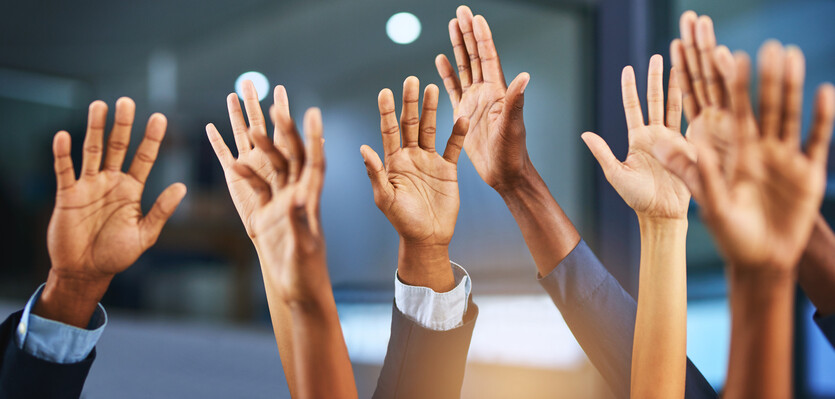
(827, 326)
(54, 341)
(438, 311)
(601, 315)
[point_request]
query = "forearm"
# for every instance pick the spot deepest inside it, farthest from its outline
(817, 268)
(71, 299)
(660, 341)
(762, 303)
(282, 323)
(547, 231)
(322, 362)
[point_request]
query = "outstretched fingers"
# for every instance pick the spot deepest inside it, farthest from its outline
(388, 123)
(602, 153)
(428, 118)
(64, 172)
(820, 134)
(771, 60)
(165, 205)
(410, 114)
(706, 43)
(462, 58)
(377, 174)
(239, 128)
(631, 102)
(148, 149)
(795, 72)
(219, 146)
(314, 168)
(687, 26)
(93, 147)
(673, 120)
(490, 65)
(655, 90)
(451, 82)
(691, 106)
(456, 140)
(465, 22)
(117, 144)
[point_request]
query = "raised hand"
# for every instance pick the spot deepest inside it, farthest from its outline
(762, 208)
(242, 193)
(642, 181)
(285, 214)
(417, 188)
(496, 140)
(97, 228)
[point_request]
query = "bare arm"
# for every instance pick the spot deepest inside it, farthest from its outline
(286, 227)
(760, 229)
(660, 200)
(817, 268)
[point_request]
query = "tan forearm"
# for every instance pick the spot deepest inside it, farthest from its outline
(547, 231)
(282, 323)
(762, 305)
(817, 268)
(425, 266)
(71, 299)
(659, 349)
(322, 363)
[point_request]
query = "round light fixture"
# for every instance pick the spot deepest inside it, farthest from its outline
(403, 28)
(262, 85)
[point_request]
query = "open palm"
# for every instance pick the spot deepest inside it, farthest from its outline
(641, 180)
(243, 196)
(97, 228)
(417, 189)
(496, 141)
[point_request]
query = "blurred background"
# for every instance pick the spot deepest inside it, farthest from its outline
(190, 318)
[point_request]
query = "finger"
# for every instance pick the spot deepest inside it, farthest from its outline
(239, 128)
(64, 172)
(706, 43)
(602, 153)
(276, 158)
(793, 105)
(771, 63)
(462, 58)
(282, 106)
(162, 210)
(294, 152)
(221, 150)
(456, 140)
(740, 97)
(817, 147)
(409, 116)
(257, 125)
(674, 102)
(691, 107)
(687, 26)
(451, 83)
(515, 97)
(388, 123)
(426, 139)
(491, 67)
(314, 153)
(148, 149)
(117, 144)
(465, 23)
(258, 185)
(96, 118)
(681, 163)
(725, 66)
(631, 103)
(377, 174)
(655, 90)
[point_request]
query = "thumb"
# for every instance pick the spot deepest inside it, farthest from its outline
(376, 173)
(515, 97)
(602, 153)
(164, 207)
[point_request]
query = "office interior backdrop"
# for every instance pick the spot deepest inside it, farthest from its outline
(190, 318)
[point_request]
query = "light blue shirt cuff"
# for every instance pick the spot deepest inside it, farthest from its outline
(439, 311)
(55, 341)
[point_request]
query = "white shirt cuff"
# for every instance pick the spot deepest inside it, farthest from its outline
(439, 311)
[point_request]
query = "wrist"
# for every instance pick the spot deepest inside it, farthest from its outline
(659, 228)
(526, 181)
(71, 298)
(425, 265)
